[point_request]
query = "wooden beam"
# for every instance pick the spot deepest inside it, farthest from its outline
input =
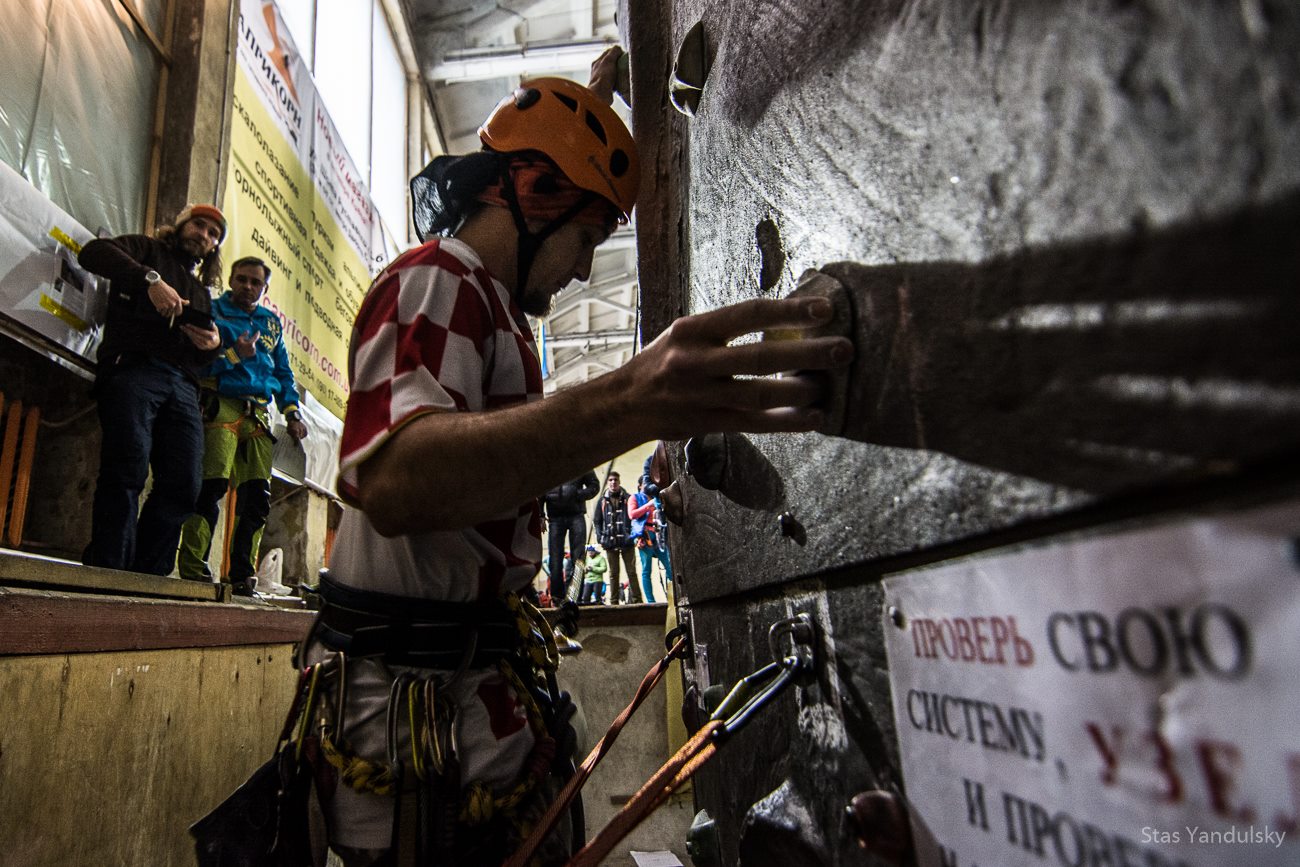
(149, 35)
(38, 622)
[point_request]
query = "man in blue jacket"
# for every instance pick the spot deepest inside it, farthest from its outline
(252, 370)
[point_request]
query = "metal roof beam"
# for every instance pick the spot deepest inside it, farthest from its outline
(585, 296)
(515, 61)
(606, 360)
(584, 339)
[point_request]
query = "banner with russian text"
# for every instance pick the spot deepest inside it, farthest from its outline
(295, 199)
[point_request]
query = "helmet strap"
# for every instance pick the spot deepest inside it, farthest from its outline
(530, 242)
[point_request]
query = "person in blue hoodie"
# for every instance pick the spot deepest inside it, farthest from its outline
(239, 386)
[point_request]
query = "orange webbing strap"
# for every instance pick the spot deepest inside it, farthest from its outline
(677, 770)
(562, 801)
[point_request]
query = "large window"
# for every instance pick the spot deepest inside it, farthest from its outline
(361, 77)
(79, 96)
(388, 131)
(343, 71)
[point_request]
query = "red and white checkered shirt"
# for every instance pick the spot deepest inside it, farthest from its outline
(436, 333)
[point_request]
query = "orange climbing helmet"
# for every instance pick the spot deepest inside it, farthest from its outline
(575, 130)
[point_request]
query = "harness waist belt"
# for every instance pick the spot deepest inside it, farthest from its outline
(418, 632)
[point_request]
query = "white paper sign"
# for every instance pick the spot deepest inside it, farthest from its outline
(1132, 699)
(41, 284)
(662, 858)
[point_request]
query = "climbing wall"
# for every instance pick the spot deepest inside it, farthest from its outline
(1068, 238)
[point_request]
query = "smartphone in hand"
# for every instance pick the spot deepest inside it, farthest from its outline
(200, 319)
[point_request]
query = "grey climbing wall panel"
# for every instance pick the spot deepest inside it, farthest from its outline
(1070, 232)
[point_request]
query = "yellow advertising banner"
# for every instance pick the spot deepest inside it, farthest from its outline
(295, 200)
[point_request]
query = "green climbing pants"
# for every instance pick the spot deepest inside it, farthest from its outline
(236, 453)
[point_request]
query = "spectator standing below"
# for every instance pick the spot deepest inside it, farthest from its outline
(613, 529)
(644, 533)
(566, 521)
(593, 588)
(147, 385)
(658, 547)
(240, 385)
(448, 443)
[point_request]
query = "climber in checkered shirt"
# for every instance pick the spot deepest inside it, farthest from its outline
(447, 444)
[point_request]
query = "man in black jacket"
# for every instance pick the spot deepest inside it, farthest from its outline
(611, 523)
(566, 514)
(158, 336)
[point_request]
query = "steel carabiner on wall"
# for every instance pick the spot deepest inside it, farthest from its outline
(751, 693)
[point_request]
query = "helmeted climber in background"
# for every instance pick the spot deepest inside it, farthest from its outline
(157, 338)
(238, 387)
(593, 582)
(446, 447)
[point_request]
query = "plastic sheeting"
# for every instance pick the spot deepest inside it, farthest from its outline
(314, 460)
(79, 89)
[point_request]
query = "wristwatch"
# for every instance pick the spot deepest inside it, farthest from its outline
(293, 415)
(152, 277)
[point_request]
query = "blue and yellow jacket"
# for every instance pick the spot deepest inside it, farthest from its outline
(267, 374)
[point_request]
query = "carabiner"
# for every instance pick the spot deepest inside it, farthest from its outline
(748, 696)
(802, 632)
(670, 641)
(304, 724)
(753, 692)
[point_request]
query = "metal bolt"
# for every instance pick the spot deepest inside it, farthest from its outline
(878, 819)
(896, 615)
(791, 528)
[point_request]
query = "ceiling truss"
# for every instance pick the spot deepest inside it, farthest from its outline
(473, 52)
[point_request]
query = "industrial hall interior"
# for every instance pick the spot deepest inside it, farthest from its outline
(662, 433)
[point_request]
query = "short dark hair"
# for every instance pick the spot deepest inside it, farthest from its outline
(613, 476)
(252, 260)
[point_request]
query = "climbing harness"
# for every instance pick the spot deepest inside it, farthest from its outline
(443, 640)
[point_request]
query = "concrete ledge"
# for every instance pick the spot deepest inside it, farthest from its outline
(600, 616)
(56, 606)
(36, 622)
(33, 570)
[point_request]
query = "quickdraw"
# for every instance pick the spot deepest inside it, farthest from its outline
(583, 772)
(745, 700)
(749, 696)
